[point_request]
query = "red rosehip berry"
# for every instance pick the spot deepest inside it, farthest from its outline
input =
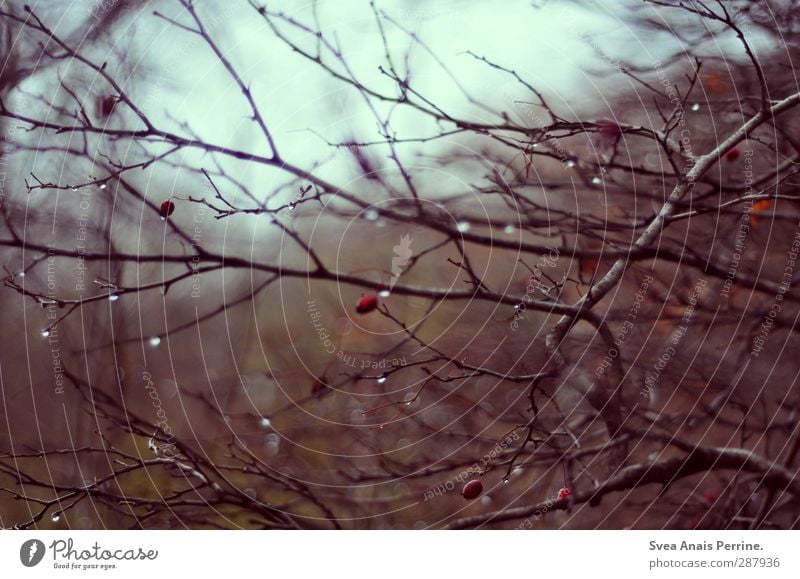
(472, 489)
(610, 131)
(167, 208)
(715, 83)
(732, 155)
(366, 303)
(319, 387)
(563, 493)
(107, 104)
(759, 207)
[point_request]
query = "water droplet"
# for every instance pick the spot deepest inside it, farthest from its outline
(653, 455)
(381, 379)
(384, 293)
(45, 333)
(113, 298)
(463, 227)
(371, 215)
(570, 163)
(509, 229)
(155, 341)
(250, 493)
(409, 397)
(55, 517)
(486, 500)
(272, 443)
(151, 445)
(21, 274)
(73, 189)
(696, 107)
(102, 185)
(596, 180)
(517, 471)
(505, 481)
(163, 218)
(265, 422)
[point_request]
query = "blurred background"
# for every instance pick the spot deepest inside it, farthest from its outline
(304, 265)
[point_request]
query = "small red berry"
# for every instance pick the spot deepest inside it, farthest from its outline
(167, 208)
(610, 131)
(472, 489)
(107, 104)
(366, 303)
(732, 155)
(563, 493)
(715, 83)
(319, 387)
